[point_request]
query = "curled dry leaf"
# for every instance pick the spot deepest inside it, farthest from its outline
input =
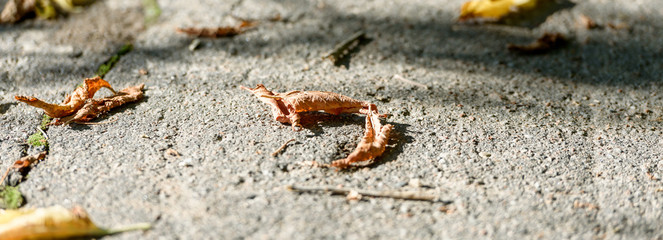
(372, 144)
(54, 223)
(14, 10)
(72, 102)
(545, 43)
(218, 32)
(95, 107)
(287, 106)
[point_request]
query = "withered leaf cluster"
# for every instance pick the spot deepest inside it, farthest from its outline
(286, 108)
(80, 106)
(218, 32)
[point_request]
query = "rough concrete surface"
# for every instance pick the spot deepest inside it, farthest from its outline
(561, 145)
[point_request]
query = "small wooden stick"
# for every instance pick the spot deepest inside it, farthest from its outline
(282, 148)
(385, 194)
(342, 48)
(408, 81)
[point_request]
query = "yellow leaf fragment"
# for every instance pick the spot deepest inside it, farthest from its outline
(529, 13)
(493, 9)
(71, 103)
(52, 223)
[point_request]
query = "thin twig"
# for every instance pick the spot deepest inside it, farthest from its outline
(282, 148)
(417, 196)
(344, 47)
(408, 81)
(6, 172)
(42, 132)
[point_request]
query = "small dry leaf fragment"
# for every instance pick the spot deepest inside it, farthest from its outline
(53, 223)
(14, 10)
(586, 22)
(72, 102)
(372, 144)
(172, 152)
(588, 206)
(95, 107)
(24, 163)
(547, 42)
(218, 32)
(287, 106)
(618, 26)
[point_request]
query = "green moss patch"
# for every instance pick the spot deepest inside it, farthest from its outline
(10, 198)
(37, 139)
(110, 63)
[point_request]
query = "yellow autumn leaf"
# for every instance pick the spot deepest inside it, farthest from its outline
(511, 12)
(53, 223)
(493, 9)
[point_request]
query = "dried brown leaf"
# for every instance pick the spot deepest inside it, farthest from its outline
(372, 144)
(218, 32)
(95, 107)
(544, 44)
(72, 102)
(15, 9)
(287, 106)
(24, 163)
(27, 161)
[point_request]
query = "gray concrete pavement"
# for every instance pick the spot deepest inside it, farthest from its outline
(562, 145)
